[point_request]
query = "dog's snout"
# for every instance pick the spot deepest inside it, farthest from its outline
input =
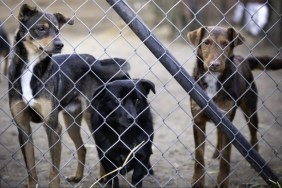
(58, 45)
(215, 64)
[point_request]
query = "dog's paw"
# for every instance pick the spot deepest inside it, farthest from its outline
(198, 185)
(73, 179)
(198, 181)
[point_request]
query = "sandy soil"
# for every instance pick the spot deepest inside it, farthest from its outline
(100, 32)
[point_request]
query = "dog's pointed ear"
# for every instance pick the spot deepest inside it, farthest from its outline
(63, 20)
(235, 37)
(147, 85)
(196, 36)
(26, 11)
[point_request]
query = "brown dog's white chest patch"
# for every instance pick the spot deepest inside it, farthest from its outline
(211, 81)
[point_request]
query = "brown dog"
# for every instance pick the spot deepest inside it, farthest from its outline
(228, 81)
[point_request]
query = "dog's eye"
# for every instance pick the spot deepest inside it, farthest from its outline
(207, 42)
(41, 28)
(224, 43)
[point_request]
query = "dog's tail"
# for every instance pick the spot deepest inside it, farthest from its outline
(264, 63)
(111, 69)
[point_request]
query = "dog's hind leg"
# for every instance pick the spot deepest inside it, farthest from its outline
(53, 130)
(253, 127)
(218, 145)
(87, 117)
(249, 107)
(72, 118)
(22, 118)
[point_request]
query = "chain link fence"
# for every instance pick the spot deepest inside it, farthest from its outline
(98, 30)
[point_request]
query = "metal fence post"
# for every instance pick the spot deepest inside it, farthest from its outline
(191, 87)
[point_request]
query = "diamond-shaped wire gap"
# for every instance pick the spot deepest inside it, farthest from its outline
(160, 163)
(173, 26)
(10, 156)
(240, 166)
(251, 177)
(94, 21)
(147, 10)
(268, 78)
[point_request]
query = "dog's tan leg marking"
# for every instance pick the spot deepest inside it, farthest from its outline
(21, 116)
(6, 66)
(87, 117)
(49, 114)
(199, 129)
(72, 116)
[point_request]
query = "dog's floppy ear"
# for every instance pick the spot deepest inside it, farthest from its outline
(196, 36)
(235, 37)
(63, 20)
(26, 11)
(147, 85)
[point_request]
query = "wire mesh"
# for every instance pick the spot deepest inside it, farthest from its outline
(99, 31)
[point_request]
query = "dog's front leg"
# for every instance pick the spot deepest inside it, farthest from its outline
(87, 116)
(21, 116)
(224, 166)
(53, 129)
(218, 145)
(140, 170)
(199, 129)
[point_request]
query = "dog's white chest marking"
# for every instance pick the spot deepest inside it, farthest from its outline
(26, 79)
(211, 80)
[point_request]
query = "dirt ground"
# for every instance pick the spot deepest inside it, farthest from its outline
(100, 32)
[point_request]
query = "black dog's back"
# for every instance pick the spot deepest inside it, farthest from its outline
(121, 120)
(4, 42)
(4, 49)
(75, 73)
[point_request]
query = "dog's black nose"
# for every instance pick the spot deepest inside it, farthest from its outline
(58, 45)
(215, 64)
(130, 120)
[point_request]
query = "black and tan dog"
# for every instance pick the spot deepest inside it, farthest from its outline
(228, 81)
(41, 86)
(121, 120)
(4, 50)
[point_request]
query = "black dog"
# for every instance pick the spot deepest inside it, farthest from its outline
(121, 120)
(4, 50)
